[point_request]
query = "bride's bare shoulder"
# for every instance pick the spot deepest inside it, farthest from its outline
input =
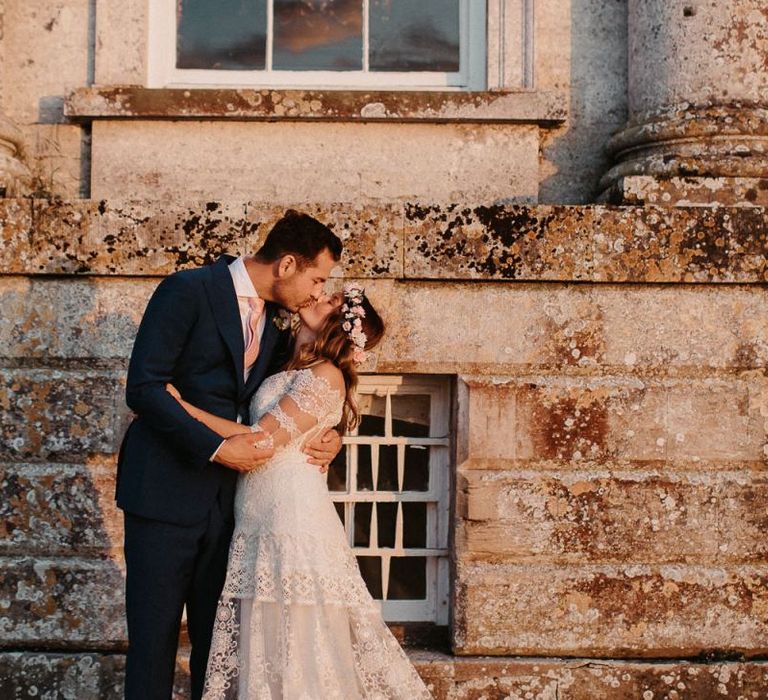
(330, 373)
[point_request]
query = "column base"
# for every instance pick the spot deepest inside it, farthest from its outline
(696, 150)
(639, 190)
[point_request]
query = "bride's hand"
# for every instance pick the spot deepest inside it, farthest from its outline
(173, 391)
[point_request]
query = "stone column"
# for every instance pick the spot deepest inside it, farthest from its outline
(14, 175)
(698, 104)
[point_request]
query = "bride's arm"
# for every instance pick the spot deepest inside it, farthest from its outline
(295, 413)
(222, 426)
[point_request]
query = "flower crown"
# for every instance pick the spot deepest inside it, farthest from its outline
(352, 314)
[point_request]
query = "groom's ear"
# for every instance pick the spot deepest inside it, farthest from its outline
(286, 266)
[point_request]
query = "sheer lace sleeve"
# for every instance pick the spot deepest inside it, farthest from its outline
(313, 398)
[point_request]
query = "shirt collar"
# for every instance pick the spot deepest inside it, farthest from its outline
(243, 285)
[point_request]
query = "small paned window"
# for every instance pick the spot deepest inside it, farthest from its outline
(390, 485)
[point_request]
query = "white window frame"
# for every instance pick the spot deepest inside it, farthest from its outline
(435, 608)
(162, 71)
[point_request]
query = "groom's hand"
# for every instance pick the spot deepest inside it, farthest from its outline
(323, 449)
(239, 452)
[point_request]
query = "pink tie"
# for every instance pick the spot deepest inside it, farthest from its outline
(252, 340)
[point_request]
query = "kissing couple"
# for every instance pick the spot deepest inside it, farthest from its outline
(239, 410)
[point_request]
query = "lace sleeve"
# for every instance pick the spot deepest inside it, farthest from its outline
(314, 397)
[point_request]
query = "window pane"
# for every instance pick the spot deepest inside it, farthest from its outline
(337, 472)
(370, 568)
(387, 468)
(407, 578)
(318, 35)
(410, 415)
(364, 468)
(362, 520)
(340, 512)
(222, 35)
(414, 524)
(372, 411)
(416, 477)
(414, 36)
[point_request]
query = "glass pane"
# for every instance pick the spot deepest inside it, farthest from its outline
(387, 468)
(414, 36)
(387, 514)
(318, 35)
(372, 410)
(410, 415)
(364, 470)
(370, 569)
(221, 35)
(340, 512)
(414, 524)
(416, 476)
(337, 472)
(363, 513)
(407, 578)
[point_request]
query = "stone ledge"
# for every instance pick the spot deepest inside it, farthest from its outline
(134, 102)
(399, 240)
(516, 678)
(87, 676)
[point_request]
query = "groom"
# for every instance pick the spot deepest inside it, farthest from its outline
(215, 333)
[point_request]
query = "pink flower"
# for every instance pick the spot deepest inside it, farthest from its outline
(347, 326)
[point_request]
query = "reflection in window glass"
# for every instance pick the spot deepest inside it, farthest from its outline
(318, 35)
(414, 36)
(225, 35)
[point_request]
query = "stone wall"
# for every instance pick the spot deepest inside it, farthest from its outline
(611, 432)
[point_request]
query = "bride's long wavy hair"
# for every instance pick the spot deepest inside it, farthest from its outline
(334, 344)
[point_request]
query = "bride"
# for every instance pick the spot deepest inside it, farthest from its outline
(295, 620)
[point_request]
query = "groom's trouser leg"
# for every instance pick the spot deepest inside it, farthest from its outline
(208, 580)
(160, 562)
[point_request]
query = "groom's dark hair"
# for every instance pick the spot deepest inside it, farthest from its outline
(299, 235)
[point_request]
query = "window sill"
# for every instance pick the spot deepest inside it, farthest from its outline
(133, 102)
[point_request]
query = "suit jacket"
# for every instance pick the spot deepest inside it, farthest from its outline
(191, 335)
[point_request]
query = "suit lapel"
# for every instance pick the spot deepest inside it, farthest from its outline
(221, 292)
(266, 346)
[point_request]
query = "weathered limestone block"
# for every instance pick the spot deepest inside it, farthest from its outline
(58, 510)
(140, 238)
(61, 676)
(613, 517)
(531, 420)
(585, 243)
(580, 679)
(60, 414)
(591, 329)
(282, 162)
(66, 320)
(615, 611)
(61, 603)
(39, 37)
(121, 42)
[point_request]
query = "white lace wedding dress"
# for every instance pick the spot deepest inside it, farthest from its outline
(295, 620)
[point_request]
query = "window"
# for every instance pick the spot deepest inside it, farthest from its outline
(380, 44)
(390, 486)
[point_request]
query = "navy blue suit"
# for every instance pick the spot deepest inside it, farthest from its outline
(178, 505)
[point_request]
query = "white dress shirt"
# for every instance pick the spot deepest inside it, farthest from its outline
(244, 290)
